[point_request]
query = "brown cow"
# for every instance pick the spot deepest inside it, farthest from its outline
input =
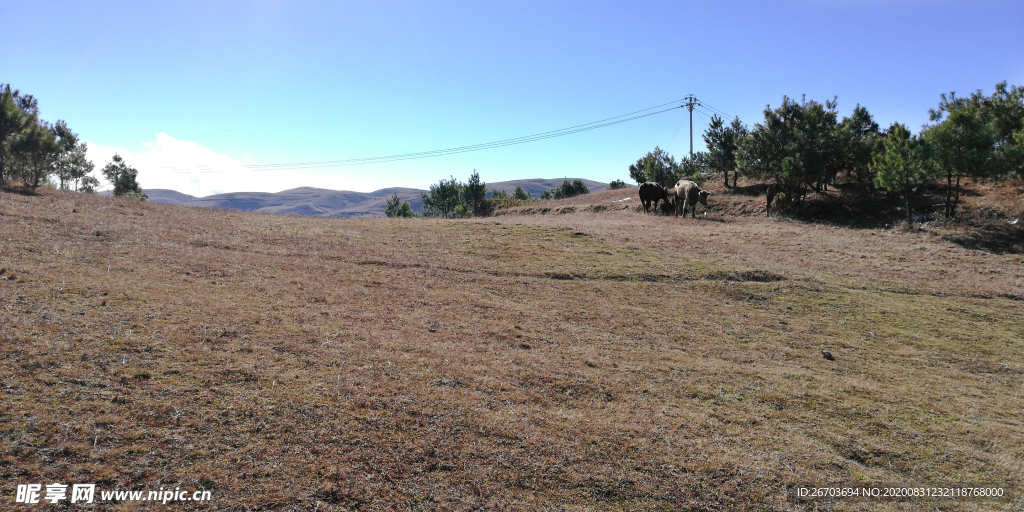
(686, 195)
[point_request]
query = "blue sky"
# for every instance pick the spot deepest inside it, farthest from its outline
(219, 85)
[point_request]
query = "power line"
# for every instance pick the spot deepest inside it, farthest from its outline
(702, 114)
(714, 109)
(441, 152)
(720, 113)
(450, 151)
(709, 113)
(715, 114)
(681, 121)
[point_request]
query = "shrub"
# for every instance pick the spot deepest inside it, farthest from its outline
(567, 189)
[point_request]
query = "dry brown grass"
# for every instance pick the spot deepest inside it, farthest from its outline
(589, 361)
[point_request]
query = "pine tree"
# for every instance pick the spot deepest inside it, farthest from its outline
(123, 177)
(902, 165)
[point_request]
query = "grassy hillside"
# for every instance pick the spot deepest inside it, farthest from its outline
(603, 360)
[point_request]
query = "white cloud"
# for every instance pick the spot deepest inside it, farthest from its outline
(190, 168)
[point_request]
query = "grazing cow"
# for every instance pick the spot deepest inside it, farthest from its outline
(651, 192)
(686, 196)
(668, 207)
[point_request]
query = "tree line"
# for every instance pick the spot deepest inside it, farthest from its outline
(34, 152)
(564, 190)
(804, 146)
(453, 199)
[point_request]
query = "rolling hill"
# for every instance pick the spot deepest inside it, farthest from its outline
(318, 202)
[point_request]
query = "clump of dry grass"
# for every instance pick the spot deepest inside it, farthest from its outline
(587, 361)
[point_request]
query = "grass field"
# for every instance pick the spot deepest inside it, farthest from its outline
(596, 360)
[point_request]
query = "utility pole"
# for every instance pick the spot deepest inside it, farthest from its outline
(691, 101)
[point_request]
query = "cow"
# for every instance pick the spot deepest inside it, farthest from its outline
(668, 207)
(651, 192)
(686, 195)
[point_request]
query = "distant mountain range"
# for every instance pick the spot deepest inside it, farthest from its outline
(318, 202)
